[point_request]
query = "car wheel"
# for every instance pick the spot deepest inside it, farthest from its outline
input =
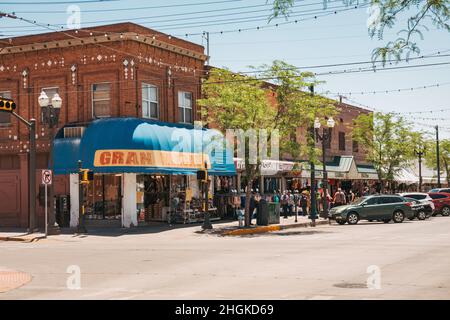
(341, 222)
(398, 217)
(370, 220)
(445, 211)
(421, 215)
(387, 220)
(352, 218)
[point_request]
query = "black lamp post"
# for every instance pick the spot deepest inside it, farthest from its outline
(50, 116)
(420, 152)
(324, 138)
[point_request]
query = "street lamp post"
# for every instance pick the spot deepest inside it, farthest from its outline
(324, 138)
(420, 152)
(50, 118)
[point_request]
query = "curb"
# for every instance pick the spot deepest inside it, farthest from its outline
(265, 229)
(19, 239)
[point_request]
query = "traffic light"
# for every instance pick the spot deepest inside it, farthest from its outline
(202, 175)
(86, 176)
(7, 105)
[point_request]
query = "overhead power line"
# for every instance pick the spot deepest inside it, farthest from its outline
(133, 8)
(437, 85)
(240, 11)
(16, 3)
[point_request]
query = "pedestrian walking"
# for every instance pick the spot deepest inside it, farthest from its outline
(339, 198)
(285, 204)
(304, 203)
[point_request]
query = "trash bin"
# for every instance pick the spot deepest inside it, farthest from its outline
(262, 216)
(268, 213)
(274, 213)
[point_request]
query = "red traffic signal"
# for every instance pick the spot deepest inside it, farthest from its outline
(7, 105)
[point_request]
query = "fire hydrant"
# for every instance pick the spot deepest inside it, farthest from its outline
(241, 218)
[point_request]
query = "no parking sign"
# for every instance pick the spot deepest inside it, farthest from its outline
(47, 177)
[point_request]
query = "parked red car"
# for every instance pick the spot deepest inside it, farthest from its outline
(441, 202)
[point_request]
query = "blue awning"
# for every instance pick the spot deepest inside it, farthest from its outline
(132, 145)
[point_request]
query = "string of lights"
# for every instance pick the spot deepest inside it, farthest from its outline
(437, 85)
(225, 31)
(253, 71)
(241, 10)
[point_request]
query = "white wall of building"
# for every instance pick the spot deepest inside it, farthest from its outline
(129, 209)
(74, 201)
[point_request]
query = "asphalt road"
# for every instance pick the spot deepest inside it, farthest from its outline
(330, 262)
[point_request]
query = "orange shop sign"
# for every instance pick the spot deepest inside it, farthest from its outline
(150, 158)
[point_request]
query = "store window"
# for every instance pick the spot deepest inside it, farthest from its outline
(150, 101)
(5, 117)
(101, 100)
(342, 141)
(104, 198)
(185, 107)
(46, 111)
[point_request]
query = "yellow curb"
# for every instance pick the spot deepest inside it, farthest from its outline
(265, 229)
(18, 239)
(240, 232)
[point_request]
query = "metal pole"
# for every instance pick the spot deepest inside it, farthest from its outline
(438, 158)
(420, 154)
(46, 212)
(53, 226)
(206, 223)
(32, 177)
(313, 195)
(325, 175)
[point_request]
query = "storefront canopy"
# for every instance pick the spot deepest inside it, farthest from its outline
(132, 145)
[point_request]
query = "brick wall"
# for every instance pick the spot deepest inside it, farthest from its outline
(123, 55)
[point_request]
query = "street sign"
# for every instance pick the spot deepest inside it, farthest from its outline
(47, 177)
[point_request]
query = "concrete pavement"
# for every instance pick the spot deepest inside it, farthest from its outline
(409, 260)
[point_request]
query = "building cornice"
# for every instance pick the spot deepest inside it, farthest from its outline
(93, 40)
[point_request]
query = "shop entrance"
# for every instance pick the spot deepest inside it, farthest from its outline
(104, 198)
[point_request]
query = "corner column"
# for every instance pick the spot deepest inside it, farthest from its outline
(129, 211)
(74, 200)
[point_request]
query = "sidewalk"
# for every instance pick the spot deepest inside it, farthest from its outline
(20, 235)
(232, 228)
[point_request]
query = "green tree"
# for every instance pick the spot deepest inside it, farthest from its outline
(388, 140)
(237, 102)
(386, 15)
(444, 156)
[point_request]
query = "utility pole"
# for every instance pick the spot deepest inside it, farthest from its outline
(313, 195)
(438, 158)
(206, 36)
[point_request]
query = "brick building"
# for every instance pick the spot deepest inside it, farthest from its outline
(121, 70)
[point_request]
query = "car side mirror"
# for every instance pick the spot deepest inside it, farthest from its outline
(363, 204)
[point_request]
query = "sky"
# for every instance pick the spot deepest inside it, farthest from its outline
(319, 37)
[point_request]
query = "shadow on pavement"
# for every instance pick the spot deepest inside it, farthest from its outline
(142, 230)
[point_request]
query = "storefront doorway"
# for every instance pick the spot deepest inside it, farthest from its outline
(104, 198)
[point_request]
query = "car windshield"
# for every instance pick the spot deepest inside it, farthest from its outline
(434, 190)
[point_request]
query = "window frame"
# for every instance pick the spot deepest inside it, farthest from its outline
(184, 108)
(92, 99)
(49, 101)
(147, 86)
